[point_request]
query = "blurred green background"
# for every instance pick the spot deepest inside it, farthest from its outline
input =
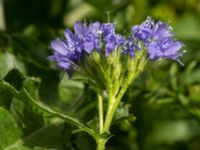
(165, 99)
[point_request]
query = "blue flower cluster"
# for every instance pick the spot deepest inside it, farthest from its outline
(156, 38)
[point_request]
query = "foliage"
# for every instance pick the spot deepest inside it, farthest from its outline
(165, 100)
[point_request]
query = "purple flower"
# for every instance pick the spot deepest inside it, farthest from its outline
(73, 41)
(158, 39)
(108, 29)
(130, 47)
(65, 54)
(162, 44)
(143, 32)
(111, 39)
(69, 51)
(88, 35)
(154, 38)
(161, 30)
(165, 47)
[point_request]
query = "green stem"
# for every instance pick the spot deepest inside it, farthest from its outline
(115, 102)
(65, 117)
(100, 105)
(116, 93)
(109, 115)
(101, 143)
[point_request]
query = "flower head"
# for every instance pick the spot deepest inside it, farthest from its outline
(70, 50)
(158, 39)
(153, 40)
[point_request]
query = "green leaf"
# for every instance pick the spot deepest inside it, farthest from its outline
(33, 85)
(122, 110)
(93, 124)
(8, 61)
(15, 78)
(32, 124)
(122, 114)
(53, 136)
(67, 118)
(6, 86)
(6, 93)
(28, 117)
(70, 90)
(9, 131)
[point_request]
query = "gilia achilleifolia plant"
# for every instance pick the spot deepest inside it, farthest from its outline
(111, 61)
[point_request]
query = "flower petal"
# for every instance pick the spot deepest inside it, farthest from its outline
(71, 37)
(59, 46)
(88, 46)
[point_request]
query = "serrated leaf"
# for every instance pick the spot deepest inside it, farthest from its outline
(29, 118)
(9, 131)
(32, 122)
